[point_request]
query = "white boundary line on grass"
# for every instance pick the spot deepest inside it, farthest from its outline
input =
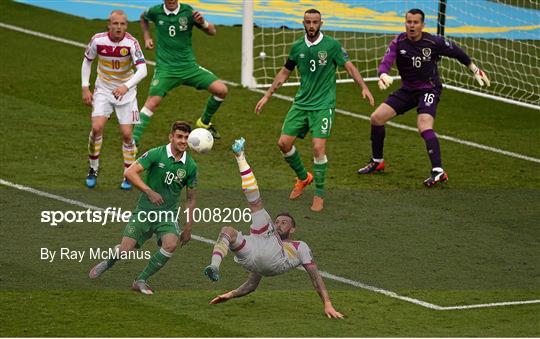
(72, 43)
(323, 273)
(287, 98)
(413, 129)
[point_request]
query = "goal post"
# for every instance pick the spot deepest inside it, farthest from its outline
(501, 36)
(247, 78)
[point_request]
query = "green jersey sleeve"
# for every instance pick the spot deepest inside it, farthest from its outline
(150, 14)
(341, 55)
(293, 54)
(147, 159)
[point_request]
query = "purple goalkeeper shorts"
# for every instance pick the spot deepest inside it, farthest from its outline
(405, 99)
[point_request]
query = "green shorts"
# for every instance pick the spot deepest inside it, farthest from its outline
(141, 231)
(298, 122)
(197, 77)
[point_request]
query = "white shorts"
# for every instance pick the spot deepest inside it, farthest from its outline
(261, 253)
(127, 110)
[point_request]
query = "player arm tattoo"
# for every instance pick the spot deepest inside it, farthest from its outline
(318, 282)
(249, 286)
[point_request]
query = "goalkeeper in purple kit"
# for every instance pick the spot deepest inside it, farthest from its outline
(416, 54)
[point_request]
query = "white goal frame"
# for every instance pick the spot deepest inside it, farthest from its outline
(248, 80)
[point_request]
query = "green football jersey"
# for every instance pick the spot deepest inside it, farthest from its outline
(317, 63)
(167, 177)
(173, 31)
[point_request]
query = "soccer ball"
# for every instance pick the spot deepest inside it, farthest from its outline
(200, 140)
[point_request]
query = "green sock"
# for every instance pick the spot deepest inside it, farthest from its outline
(158, 260)
(139, 128)
(212, 106)
(296, 164)
(319, 174)
(111, 262)
(114, 258)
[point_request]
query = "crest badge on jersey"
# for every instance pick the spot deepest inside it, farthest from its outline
(427, 54)
(124, 51)
(181, 174)
(322, 57)
(182, 23)
(345, 53)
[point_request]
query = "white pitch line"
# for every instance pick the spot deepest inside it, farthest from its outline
(380, 291)
(288, 98)
(504, 303)
(412, 129)
(72, 43)
(323, 273)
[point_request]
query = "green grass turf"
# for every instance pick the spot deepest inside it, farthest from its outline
(472, 241)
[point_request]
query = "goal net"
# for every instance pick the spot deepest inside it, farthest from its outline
(501, 36)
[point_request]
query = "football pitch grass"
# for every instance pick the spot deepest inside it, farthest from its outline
(473, 241)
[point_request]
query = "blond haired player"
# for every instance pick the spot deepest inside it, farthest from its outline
(115, 89)
(268, 250)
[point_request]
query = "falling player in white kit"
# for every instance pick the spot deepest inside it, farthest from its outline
(115, 89)
(268, 250)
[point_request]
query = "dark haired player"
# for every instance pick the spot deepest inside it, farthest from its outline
(176, 64)
(416, 54)
(169, 168)
(317, 56)
(268, 250)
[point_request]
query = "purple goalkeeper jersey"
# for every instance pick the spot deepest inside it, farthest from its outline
(417, 60)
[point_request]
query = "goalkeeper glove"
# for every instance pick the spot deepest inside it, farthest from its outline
(385, 81)
(479, 75)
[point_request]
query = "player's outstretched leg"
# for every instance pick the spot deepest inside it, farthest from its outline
(249, 183)
(221, 248)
